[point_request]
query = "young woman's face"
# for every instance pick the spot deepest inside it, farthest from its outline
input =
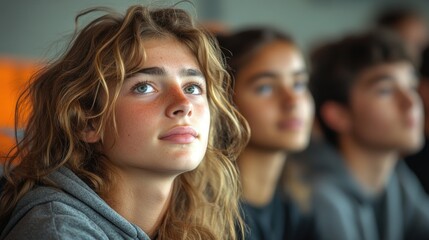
(162, 113)
(271, 93)
(386, 111)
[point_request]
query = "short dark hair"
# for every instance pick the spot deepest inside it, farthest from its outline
(392, 16)
(336, 65)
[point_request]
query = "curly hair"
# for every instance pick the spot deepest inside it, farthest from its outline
(79, 90)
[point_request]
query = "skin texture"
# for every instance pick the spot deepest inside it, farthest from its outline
(163, 120)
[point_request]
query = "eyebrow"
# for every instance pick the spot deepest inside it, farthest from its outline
(383, 77)
(160, 71)
(273, 75)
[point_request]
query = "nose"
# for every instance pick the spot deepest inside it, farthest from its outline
(178, 104)
(289, 98)
(408, 99)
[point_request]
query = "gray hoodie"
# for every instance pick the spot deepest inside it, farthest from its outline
(343, 211)
(74, 212)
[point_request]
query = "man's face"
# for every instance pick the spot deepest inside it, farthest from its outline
(385, 109)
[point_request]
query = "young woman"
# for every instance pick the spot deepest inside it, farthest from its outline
(270, 91)
(130, 136)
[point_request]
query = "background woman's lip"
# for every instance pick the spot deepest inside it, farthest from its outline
(293, 123)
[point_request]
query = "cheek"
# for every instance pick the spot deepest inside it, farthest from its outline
(202, 118)
(255, 110)
(134, 120)
(306, 108)
(373, 116)
(257, 114)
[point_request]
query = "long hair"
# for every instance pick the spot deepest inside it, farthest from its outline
(78, 92)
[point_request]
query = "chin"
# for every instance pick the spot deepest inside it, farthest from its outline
(411, 147)
(187, 164)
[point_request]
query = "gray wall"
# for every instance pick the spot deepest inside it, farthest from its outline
(37, 28)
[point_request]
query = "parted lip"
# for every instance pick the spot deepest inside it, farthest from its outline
(180, 130)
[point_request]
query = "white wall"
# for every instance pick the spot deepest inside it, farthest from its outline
(33, 28)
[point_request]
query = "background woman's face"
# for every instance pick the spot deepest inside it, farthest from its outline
(271, 92)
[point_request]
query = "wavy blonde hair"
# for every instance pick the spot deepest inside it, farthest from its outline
(79, 90)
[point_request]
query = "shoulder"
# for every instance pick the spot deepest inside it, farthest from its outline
(55, 220)
(56, 216)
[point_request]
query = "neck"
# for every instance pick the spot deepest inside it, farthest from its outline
(141, 198)
(370, 167)
(260, 171)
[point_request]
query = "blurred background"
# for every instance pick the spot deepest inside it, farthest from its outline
(33, 32)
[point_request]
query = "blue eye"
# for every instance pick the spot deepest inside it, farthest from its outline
(264, 90)
(194, 89)
(143, 88)
(300, 86)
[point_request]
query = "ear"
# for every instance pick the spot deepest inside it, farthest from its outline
(336, 116)
(90, 135)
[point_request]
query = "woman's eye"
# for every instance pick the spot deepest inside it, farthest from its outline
(300, 86)
(264, 90)
(143, 88)
(193, 89)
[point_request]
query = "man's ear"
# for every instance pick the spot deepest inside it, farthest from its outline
(90, 135)
(336, 116)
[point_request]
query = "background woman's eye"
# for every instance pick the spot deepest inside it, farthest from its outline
(300, 86)
(264, 89)
(143, 88)
(193, 89)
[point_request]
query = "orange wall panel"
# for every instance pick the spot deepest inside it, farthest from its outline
(14, 77)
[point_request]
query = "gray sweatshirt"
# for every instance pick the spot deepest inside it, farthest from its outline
(74, 212)
(344, 211)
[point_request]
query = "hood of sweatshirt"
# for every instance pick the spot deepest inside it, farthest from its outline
(77, 194)
(327, 163)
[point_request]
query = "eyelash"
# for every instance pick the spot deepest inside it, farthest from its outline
(141, 83)
(199, 85)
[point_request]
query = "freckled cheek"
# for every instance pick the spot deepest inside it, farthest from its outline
(202, 117)
(135, 121)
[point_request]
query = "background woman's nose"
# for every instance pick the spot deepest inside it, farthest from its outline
(288, 97)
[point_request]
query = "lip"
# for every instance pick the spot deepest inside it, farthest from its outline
(290, 124)
(180, 135)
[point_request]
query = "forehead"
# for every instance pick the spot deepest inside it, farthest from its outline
(276, 56)
(397, 72)
(274, 51)
(168, 50)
